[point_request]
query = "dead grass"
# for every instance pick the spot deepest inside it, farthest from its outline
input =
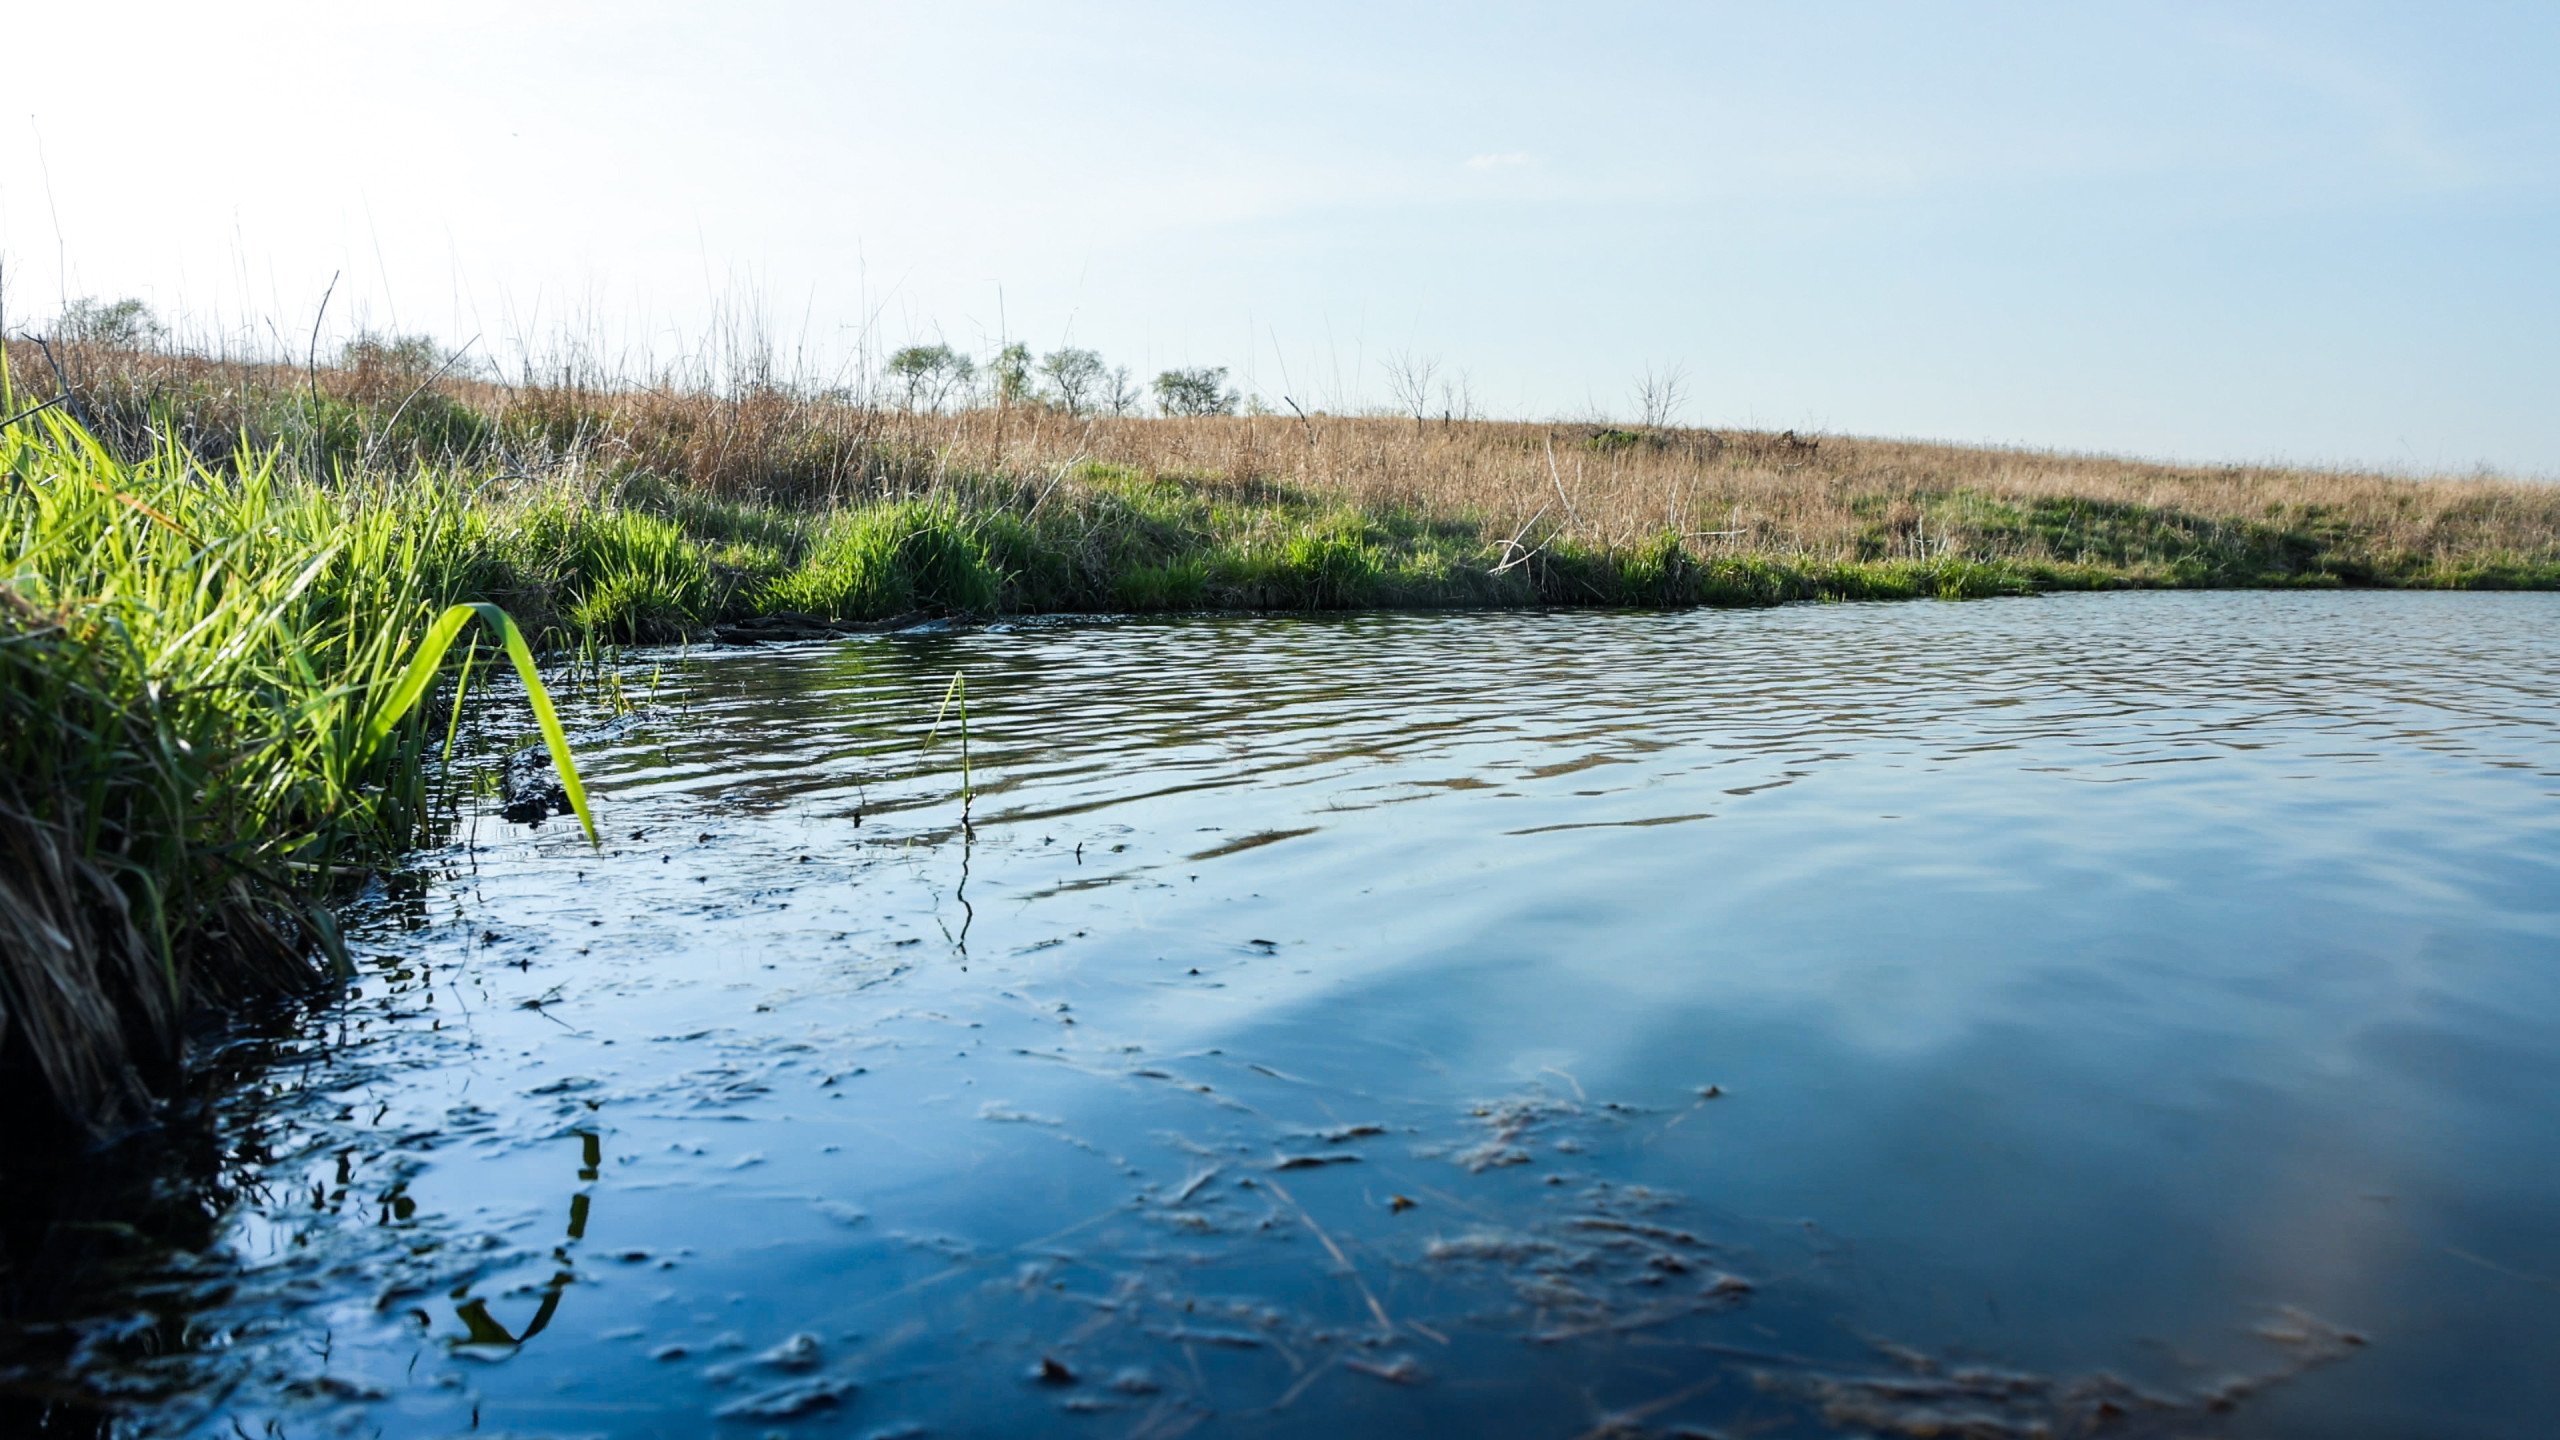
(1512, 486)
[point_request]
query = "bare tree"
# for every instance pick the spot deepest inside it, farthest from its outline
(1120, 394)
(1409, 377)
(1458, 397)
(1661, 393)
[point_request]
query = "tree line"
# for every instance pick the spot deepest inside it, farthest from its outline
(936, 377)
(1073, 380)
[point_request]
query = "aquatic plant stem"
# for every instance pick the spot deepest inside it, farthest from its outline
(957, 693)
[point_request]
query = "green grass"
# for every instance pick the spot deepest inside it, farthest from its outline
(213, 717)
(885, 560)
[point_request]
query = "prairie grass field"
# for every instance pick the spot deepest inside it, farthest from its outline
(650, 509)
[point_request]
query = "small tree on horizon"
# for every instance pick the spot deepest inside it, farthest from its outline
(930, 374)
(1076, 379)
(127, 324)
(1120, 394)
(402, 355)
(1196, 390)
(1409, 377)
(1661, 393)
(1010, 372)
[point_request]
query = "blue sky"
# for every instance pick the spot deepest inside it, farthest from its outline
(2315, 232)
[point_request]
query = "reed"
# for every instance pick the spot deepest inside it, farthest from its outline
(956, 693)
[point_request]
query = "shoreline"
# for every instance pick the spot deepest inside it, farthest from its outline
(213, 592)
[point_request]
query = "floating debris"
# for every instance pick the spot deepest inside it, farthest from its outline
(1402, 1370)
(1510, 1126)
(1311, 1162)
(1004, 1114)
(800, 1352)
(785, 1402)
(1203, 1335)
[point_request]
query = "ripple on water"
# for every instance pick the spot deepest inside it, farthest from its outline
(2108, 1013)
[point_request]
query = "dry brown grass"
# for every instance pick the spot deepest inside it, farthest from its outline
(1825, 498)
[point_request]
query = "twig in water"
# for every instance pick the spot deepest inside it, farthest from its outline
(1192, 1186)
(1375, 1309)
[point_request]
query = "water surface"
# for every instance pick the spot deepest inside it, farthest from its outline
(2121, 1014)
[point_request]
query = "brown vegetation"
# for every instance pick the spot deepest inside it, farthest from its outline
(1511, 485)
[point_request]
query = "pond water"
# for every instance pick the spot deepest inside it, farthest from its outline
(2120, 1014)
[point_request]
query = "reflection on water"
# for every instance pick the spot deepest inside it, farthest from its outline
(2122, 1014)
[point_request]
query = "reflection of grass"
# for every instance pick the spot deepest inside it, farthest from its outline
(212, 693)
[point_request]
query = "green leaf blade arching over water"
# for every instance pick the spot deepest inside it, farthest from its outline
(428, 658)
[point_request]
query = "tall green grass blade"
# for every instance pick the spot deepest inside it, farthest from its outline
(429, 657)
(324, 926)
(461, 694)
(957, 692)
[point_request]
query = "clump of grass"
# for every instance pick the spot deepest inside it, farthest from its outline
(212, 697)
(613, 571)
(889, 560)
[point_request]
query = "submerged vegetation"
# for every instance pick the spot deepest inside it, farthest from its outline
(220, 614)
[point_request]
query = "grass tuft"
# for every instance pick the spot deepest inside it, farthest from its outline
(213, 691)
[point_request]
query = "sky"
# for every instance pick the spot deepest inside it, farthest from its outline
(2231, 232)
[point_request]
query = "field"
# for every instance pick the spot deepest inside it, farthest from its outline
(649, 511)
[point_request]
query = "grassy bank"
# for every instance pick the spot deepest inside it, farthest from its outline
(652, 509)
(218, 574)
(210, 724)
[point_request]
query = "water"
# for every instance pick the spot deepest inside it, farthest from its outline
(2123, 1013)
